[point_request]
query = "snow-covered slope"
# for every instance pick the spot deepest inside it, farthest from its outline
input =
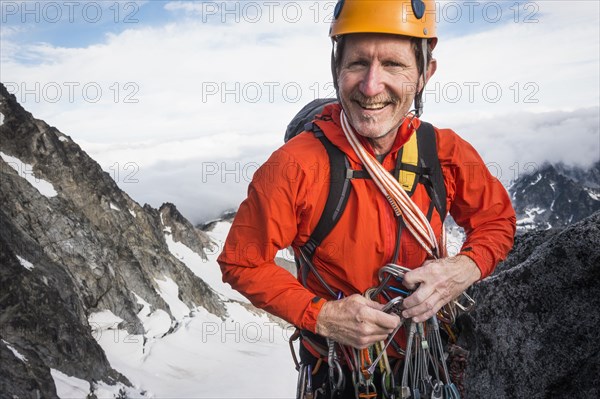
(244, 355)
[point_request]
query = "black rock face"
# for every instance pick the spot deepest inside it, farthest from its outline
(183, 231)
(43, 321)
(534, 333)
(92, 247)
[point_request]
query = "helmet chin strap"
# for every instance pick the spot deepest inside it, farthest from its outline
(419, 95)
(334, 70)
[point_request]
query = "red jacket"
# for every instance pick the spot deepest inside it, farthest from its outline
(288, 193)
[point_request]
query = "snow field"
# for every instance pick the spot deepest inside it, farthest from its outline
(244, 355)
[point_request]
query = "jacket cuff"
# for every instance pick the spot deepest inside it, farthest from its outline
(482, 257)
(309, 319)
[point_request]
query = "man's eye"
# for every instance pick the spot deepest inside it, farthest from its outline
(357, 64)
(393, 64)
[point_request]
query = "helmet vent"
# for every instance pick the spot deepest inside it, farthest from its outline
(418, 8)
(338, 9)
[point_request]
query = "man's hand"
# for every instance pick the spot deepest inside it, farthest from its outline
(439, 281)
(355, 321)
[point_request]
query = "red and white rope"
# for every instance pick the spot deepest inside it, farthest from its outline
(401, 203)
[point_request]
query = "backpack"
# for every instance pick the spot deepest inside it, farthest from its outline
(417, 163)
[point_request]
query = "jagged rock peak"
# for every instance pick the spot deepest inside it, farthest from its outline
(555, 196)
(226, 216)
(183, 231)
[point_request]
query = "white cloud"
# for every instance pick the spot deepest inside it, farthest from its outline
(208, 91)
(519, 143)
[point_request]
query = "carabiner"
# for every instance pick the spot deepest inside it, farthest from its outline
(394, 306)
(388, 381)
(451, 392)
(337, 384)
(301, 387)
(438, 390)
(309, 392)
(468, 306)
(366, 391)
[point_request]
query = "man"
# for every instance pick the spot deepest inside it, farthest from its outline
(381, 64)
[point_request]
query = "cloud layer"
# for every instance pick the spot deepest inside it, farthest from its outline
(212, 85)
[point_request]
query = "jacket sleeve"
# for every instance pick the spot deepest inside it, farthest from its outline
(477, 201)
(266, 222)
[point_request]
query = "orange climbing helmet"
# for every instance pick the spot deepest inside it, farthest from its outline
(415, 18)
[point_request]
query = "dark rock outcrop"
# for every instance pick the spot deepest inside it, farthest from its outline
(183, 231)
(43, 320)
(92, 246)
(534, 331)
(227, 216)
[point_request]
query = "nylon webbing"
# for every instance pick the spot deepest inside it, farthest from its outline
(416, 222)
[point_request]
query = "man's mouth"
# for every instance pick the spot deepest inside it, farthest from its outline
(372, 106)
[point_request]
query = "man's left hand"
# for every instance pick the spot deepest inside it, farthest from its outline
(438, 281)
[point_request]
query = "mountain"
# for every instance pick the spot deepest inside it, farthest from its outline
(556, 196)
(533, 333)
(103, 297)
(81, 262)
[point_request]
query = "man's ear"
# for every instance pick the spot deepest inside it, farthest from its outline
(430, 71)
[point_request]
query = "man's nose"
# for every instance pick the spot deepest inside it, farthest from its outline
(372, 84)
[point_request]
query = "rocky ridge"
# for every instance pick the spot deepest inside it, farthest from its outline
(556, 196)
(91, 248)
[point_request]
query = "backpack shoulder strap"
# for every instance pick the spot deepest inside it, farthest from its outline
(418, 163)
(432, 176)
(339, 191)
(407, 166)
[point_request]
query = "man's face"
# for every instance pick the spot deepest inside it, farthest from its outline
(377, 81)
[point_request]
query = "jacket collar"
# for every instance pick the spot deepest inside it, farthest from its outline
(329, 122)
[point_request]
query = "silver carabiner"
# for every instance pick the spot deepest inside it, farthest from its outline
(453, 391)
(392, 383)
(438, 390)
(301, 387)
(339, 383)
(394, 306)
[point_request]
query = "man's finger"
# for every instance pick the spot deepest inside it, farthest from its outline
(419, 296)
(386, 321)
(425, 310)
(413, 278)
(379, 319)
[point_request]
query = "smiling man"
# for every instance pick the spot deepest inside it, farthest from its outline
(347, 222)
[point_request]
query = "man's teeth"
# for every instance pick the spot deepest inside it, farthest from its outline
(373, 106)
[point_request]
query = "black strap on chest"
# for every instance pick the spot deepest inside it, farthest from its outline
(428, 172)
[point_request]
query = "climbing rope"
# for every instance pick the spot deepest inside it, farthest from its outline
(415, 220)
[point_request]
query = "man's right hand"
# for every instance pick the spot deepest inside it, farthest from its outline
(355, 321)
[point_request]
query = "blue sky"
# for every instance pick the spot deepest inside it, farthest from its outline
(77, 24)
(181, 89)
(84, 23)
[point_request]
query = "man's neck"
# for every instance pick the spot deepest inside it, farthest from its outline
(383, 145)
